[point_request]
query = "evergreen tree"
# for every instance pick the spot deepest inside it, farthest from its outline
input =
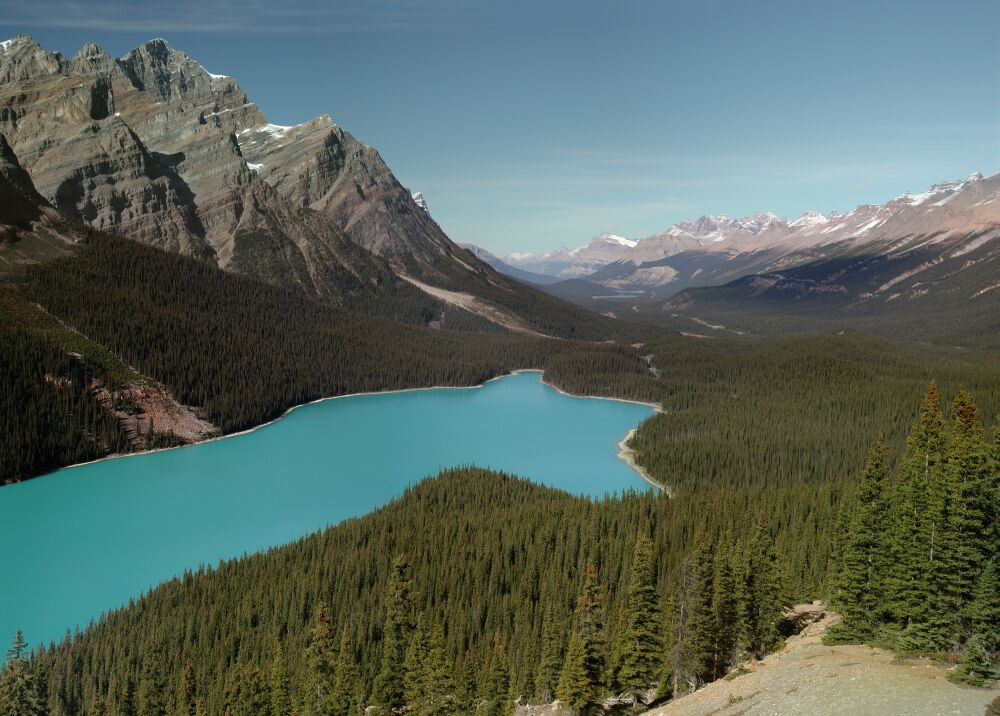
(552, 657)
(440, 696)
(584, 664)
(701, 635)
(152, 697)
(468, 686)
(98, 705)
(926, 540)
(280, 699)
(387, 691)
(642, 646)
(18, 690)
(680, 604)
(320, 661)
(725, 605)
(247, 692)
(575, 688)
(415, 672)
(763, 593)
(187, 695)
(495, 689)
(122, 696)
(975, 668)
(984, 612)
(616, 657)
(345, 697)
(973, 473)
(860, 587)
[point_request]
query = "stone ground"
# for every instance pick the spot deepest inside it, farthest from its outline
(807, 677)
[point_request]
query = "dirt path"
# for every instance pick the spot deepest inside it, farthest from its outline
(809, 678)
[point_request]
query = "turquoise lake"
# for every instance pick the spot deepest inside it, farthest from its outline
(83, 540)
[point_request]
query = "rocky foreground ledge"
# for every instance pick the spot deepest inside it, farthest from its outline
(807, 677)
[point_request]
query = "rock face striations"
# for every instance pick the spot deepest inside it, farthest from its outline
(154, 147)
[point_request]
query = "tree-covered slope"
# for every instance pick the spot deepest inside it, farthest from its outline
(244, 351)
(494, 566)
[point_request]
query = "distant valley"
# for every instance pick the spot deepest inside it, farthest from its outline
(933, 255)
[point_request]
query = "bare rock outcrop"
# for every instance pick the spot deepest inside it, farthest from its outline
(153, 146)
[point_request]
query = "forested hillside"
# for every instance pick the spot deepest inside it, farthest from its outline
(471, 590)
(241, 350)
(918, 566)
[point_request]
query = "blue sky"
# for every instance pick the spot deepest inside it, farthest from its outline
(533, 125)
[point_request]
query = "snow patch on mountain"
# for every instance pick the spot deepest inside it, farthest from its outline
(619, 240)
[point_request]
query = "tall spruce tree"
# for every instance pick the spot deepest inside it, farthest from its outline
(984, 611)
(551, 656)
(277, 683)
(18, 690)
(247, 692)
(580, 680)
(494, 691)
(642, 645)
(320, 662)
(763, 593)
(439, 698)
(725, 604)
(701, 633)
(153, 700)
(346, 698)
(387, 690)
(925, 539)
(187, 691)
(575, 688)
(860, 586)
(416, 678)
(973, 473)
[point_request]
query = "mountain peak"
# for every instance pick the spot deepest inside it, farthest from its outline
(620, 240)
(19, 41)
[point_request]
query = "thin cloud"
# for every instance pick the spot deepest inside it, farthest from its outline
(227, 16)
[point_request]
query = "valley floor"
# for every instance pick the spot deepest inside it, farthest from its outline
(807, 677)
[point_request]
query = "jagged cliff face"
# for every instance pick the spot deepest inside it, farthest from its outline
(154, 147)
(30, 229)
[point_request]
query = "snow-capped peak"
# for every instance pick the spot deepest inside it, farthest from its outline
(809, 218)
(975, 176)
(614, 238)
(419, 200)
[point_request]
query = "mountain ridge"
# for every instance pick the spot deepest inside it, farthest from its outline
(715, 249)
(152, 146)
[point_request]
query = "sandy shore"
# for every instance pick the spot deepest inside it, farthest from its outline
(628, 455)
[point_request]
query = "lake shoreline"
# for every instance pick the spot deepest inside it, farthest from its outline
(628, 460)
(628, 455)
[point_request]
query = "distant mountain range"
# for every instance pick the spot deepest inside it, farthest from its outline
(717, 249)
(154, 147)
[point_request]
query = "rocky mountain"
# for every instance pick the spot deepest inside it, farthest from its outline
(154, 147)
(574, 263)
(30, 228)
(147, 146)
(716, 249)
(922, 263)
